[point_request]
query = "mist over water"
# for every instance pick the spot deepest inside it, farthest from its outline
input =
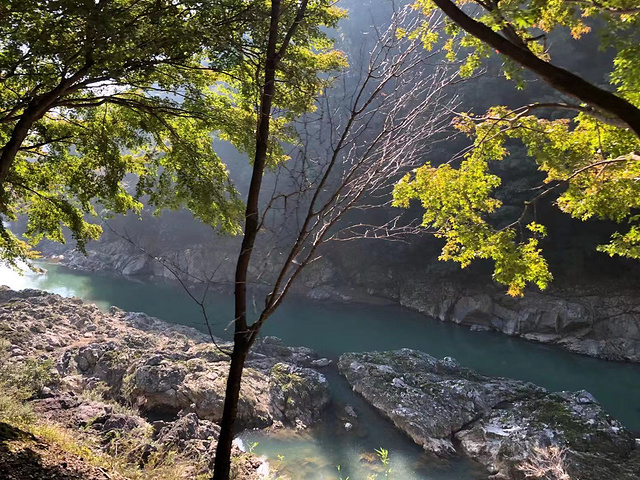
(335, 328)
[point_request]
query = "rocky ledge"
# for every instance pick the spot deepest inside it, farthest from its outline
(586, 320)
(171, 372)
(506, 425)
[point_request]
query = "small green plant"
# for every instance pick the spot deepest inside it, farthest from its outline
(24, 379)
(14, 410)
(347, 478)
(18, 383)
(383, 455)
(99, 393)
(252, 446)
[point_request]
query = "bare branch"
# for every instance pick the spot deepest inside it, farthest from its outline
(353, 149)
(175, 271)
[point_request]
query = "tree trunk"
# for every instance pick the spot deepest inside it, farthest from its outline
(243, 334)
(36, 109)
(11, 148)
(232, 395)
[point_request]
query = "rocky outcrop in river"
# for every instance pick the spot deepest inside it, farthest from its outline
(503, 424)
(159, 367)
(133, 382)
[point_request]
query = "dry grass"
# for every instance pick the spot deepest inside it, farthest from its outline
(125, 453)
(546, 463)
(99, 393)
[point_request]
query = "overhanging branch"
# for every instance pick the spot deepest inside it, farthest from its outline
(562, 80)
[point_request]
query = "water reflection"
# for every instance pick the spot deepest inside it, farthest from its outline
(49, 279)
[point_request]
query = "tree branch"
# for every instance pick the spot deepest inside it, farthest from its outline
(562, 80)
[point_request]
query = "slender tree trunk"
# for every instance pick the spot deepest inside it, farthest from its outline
(562, 80)
(232, 395)
(243, 334)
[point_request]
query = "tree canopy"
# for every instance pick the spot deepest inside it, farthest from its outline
(586, 144)
(104, 103)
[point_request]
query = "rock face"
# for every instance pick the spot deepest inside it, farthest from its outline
(427, 398)
(499, 422)
(196, 260)
(159, 367)
(118, 255)
(590, 323)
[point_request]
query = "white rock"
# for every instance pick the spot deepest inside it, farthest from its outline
(321, 362)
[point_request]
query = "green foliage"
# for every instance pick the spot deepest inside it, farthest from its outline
(26, 378)
(339, 468)
(625, 245)
(18, 383)
(457, 203)
(107, 89)
(122, 100)
(529, 22)
(14, 410)
(585, 156)
(590, 163)
(383, 455)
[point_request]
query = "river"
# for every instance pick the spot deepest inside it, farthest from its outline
(334, 328)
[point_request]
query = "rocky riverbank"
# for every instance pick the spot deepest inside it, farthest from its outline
(506, 425)
(121, 375)
(588, 320)
(597, 319)
(152, 392)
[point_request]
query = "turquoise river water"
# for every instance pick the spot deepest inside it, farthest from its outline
(334, 328)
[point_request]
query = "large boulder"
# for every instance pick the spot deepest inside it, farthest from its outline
(594, 446)
(189, 434)
(273, 349)
(298, 395)
(427, 398)
(503, 424)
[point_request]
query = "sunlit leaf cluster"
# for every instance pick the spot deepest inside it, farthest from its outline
(591, 164)
(530, 22)
(457, 204)
(587, 165)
